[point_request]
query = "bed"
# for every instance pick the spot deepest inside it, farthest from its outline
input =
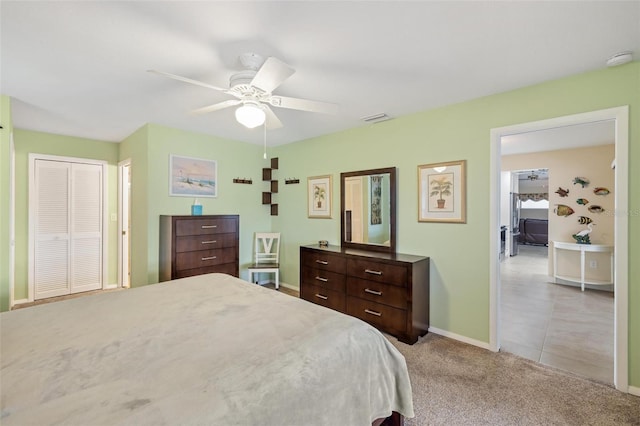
(204, 350)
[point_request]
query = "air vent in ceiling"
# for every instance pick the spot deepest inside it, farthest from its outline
(376, 118)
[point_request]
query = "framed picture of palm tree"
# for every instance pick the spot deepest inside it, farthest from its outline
(442, 192)
(319, 193)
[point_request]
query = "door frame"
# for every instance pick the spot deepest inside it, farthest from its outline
(32, 200)
(123, 191)
(621, 227)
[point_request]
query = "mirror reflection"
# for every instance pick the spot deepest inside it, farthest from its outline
(366, 208)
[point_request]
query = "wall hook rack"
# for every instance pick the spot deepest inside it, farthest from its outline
(245, 180)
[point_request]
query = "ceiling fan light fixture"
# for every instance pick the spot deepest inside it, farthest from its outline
(250, 115)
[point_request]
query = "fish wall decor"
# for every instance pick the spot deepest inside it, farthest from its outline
(580, 180)
(582, 201)
(563, 210)
(583, 220)
(601, 191)
(562, 192)
(595, 209)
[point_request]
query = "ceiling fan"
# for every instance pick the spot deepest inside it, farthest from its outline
(253, 89)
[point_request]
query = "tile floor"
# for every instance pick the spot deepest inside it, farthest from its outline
(554, 324)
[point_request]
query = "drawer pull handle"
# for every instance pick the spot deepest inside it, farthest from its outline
(377, 293)
(321, 296)
(369, 271)
(322, 262)
(369, 311)
(208, 258)
(209, 226)
(324, 280)
(209, 242)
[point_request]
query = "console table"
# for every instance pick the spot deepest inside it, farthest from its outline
(583, 249)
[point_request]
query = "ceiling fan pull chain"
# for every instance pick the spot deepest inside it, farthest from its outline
(265, 140)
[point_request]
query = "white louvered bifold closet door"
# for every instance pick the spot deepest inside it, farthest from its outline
(68, 228)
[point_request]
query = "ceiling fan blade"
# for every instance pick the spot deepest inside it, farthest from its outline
(272, 120)
(303, 104)
(271, 74)
(188, 80)
(216, 107)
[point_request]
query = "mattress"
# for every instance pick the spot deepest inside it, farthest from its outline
(204, 350)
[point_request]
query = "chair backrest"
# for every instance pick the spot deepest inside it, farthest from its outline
(267, 247)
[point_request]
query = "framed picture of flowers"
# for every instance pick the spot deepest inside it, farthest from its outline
(319, 193)
(442, 192)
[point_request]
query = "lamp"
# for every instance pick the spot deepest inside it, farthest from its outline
(250, 115)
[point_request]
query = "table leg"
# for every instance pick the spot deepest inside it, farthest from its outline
(582, 262)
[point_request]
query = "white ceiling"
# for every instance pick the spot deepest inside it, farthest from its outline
(79, 67)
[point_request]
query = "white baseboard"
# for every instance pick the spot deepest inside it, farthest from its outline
(282, 284)
(463, 339)
(19, 302)
(634, 390)
(290, 286)
(110, 286)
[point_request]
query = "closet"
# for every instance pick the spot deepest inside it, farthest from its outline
(66, 220)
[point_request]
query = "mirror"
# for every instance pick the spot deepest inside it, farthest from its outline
(368, 209)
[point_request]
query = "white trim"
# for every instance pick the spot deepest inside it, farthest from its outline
(634, 390)
(121, 214)
(110, 286)
(12, 221)
(21, 301)
(460, 338)
(621, 321)
(105, 213)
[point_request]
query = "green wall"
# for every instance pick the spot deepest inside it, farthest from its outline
(459, 253)
(27, 142)
(5, 166)
(149, 150)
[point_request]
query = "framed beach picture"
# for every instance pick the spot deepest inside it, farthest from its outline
(192, 177)
(319, 193)
(442, 192)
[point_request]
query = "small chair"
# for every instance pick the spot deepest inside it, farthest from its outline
(266, 255)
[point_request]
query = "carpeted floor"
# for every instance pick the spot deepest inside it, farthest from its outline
(459, 384)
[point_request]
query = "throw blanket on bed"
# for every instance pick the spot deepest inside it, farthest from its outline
(204, 350)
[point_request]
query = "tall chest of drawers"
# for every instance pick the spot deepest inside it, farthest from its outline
(195, 245)
(388, 290)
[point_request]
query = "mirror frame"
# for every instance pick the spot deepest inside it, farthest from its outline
(391, 248)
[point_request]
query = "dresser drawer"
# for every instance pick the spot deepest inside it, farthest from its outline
(226, 268)
(321, 296)
(204, 242)
(377, 292)
(377, 271)
(392, 320)
(324, 279)
(204, 226)
(324, 261)
(202, 258)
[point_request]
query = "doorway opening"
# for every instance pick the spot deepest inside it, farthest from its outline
(619, 116)
(124, 221)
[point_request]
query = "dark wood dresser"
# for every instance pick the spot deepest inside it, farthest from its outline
(388, 290)
(195, 245)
